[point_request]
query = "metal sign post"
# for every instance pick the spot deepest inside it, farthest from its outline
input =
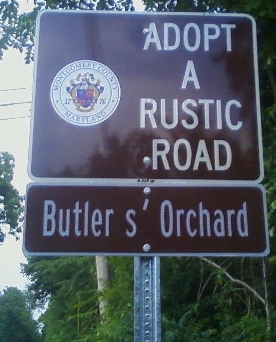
(147, 299)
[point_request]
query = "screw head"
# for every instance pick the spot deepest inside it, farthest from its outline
(146, 31)
(146, 247)
(147, 190)
(147, 160)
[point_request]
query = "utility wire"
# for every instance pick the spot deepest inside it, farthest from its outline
(13, 89)
(16, 118)
(14, 103)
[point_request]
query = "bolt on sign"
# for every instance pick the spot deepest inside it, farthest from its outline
(188, 220)
(146, 97)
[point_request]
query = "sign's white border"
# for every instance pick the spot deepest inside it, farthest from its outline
(171, 182)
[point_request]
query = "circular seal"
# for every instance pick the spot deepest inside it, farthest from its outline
(85, 93)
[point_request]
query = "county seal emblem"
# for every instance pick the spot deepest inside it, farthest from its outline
(85, 93)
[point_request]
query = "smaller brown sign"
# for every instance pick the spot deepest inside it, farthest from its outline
(188, 220)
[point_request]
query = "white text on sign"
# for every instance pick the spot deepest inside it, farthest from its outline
(205, 114)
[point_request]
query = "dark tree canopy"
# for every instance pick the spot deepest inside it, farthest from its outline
(16, 322)
(11, 205)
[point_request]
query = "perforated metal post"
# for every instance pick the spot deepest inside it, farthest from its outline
(147, 310)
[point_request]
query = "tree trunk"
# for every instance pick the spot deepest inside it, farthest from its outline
(102, 278)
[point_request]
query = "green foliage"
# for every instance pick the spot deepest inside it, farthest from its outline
(11, 207)
(16, 322)
(17, 30)
(69, 285)
(199, 303)
(118, 320)
(191, 328)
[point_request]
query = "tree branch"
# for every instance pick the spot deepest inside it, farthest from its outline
(234, 280)
(268, 318)
(272, 82)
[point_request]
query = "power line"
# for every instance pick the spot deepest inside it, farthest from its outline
(16, 118)
(13, 89)
(14, 103)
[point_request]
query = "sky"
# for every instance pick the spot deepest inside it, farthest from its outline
(15, 105)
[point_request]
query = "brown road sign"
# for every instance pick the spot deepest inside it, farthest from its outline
(188, 220)
(146, 96)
